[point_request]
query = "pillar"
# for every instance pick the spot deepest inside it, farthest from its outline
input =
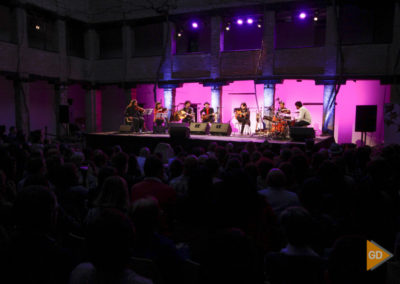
(269, 96)
(216, 101)
(21, 96)
(61, 99)
(62, 50)
(169, 99)
(217, 45)
(331, 42)
(268, 43)
(93, 110)
(328, 119)
(170, 50)
(126, 49)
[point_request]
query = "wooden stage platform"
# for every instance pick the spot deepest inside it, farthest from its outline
(132, 142)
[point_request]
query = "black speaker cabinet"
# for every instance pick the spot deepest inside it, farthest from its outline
(63, 113)
(301, 133)
(366, 118)
(221, 129)
(124, 128)
(199, 128)
(179, 131)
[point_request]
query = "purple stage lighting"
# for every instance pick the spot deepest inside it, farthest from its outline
(250, 21)
(239, 22)
(195, 25)
(302, 15)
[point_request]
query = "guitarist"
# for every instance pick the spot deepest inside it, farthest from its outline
(207, 113)
(243, 116)
(187, 112)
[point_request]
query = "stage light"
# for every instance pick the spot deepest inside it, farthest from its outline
(195, 25)
(179, 34)
(315, 19)
(37, 27)
(259, 26)
(249, 21)
(302, 15)
(227, 28)
(239, 22)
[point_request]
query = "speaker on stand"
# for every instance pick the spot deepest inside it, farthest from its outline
(366, 120)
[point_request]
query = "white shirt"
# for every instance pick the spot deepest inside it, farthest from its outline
(304, 114)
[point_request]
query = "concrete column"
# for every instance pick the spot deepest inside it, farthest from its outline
(169, 99)
(62, 50)
(93, 110)
(217, 45)
(331, 42)
(269, 95)
(92, 51)
(216, 100)
(328, 119)
(21, 97)
(268, 47)
(126, 49)
(170, 50)
(22, 38)
(61, 99)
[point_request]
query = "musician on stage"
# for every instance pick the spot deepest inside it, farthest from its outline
(282, 108)
(304, 117)
(159, 109)
(134, 116)
(243, 116)
(187, 112)
(207, 113)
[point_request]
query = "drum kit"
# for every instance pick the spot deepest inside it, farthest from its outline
(277, 123)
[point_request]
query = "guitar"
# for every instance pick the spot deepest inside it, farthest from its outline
(183, 114)
(241, 114)
(206, 116)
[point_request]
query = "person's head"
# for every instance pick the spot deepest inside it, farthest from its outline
(144, 152)
(120, 162)
(281, 104)
(104, 173)
(243, 105)
(212, 146)
(109, 239)
(175, 168)
(12, 130)
(36, 180)
(346, 263)
(158, 105)
(36, 165)
(145, 213)
(153, 167)
(264, 165)
(296, 223)
(298, 104)
(187, 104)
(165, 151)
(114, 194)
(276, 178)
(190, 165)
(207, 105)
(134, 102)
(99, 158)
(36, 209)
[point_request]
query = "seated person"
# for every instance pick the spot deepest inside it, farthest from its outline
(207, 113)
(243, 116)
(304, 118)
(134, 116)
(158, 120)
(187, 112)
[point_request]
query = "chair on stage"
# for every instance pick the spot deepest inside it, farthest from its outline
(238, 126)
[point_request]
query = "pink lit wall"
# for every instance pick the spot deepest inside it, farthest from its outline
(41, 106)
(7, 109)
(359, 93)
(194, 92)
(305, 91)
(144, 95)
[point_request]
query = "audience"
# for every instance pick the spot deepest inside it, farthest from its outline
(228, 214)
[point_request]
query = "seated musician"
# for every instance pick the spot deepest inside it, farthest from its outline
(207, 113)
(282, 108)
(187, 112)
(243, 116)
(134, 116)
(157, 110)
(304, 117)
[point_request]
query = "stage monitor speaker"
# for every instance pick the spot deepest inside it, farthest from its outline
(221, 129)
(366, 118)
(179, 131)
(124, 128)
(63, 113)
(201, 128)
(301, 133)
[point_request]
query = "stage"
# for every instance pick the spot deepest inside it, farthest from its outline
(132, 142)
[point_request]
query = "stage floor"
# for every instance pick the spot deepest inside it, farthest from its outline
(134, 140)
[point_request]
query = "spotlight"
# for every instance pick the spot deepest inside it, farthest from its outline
(227, 28)
(179, 34)
(239, 22)
(302, 15)
(259, 26)
(37, 27)
(195, 25)
(315, 19)
(250, 21)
